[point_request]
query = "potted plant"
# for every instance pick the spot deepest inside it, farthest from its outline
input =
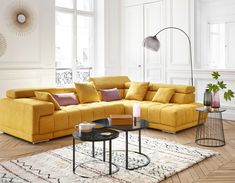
(216, 87)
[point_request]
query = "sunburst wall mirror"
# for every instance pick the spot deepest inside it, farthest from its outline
(21, 17)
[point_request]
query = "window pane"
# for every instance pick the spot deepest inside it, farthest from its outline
(84, 40)
(217, 45)
(64, 39)
(85, 5)
(64, 3)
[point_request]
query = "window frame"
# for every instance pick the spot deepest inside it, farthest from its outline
(75, 13)
(221, 44)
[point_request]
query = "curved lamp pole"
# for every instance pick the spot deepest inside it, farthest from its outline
(153, 43)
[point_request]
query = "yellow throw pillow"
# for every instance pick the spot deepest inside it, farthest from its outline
(45, 96)
(137, 90)
(163, 95)
(87, 92)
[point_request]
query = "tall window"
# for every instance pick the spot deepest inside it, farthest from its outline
(217, 45)
(74, 34)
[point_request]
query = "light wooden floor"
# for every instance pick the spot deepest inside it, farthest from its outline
(220, 168)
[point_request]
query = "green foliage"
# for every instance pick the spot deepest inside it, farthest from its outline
(213, 88)
(220, 85)
(228, 95)
(215, 75)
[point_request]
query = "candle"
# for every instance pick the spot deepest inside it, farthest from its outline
(136, 110)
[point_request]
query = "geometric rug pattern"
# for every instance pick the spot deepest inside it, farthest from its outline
(166, 159)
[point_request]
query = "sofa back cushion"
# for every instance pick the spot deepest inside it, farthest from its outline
(181, 98)
(184, 94)
(109, 82)
(29, 92)
(178, 88)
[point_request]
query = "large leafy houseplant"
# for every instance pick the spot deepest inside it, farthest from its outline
(220, 85)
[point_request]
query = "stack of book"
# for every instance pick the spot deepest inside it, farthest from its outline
(121, 119)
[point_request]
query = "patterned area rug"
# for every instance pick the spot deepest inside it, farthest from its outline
(167, 158)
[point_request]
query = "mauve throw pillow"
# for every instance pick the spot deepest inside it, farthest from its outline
(66, 98)
(110, 94)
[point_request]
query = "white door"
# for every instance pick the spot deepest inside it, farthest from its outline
(153, 22)
(133, 40)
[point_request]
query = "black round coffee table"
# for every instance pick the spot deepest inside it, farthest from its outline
(101, 134)
(136, 126)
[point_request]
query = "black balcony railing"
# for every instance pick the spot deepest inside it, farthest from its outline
(66, 76)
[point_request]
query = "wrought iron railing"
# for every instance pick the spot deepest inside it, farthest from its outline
(66, 76)
(83, 74)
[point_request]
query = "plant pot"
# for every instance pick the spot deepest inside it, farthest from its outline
(215, 104)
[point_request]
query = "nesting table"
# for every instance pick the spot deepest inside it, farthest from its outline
(95, 136)
(136, 126)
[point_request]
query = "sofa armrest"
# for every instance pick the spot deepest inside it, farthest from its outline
(23, 114)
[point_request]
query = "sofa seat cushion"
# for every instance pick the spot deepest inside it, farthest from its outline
(154, 112)
(104, 109)
(91, 111)
(127, 105)
(173, 114)
(61, 120)
(74, 115)
(144, 105)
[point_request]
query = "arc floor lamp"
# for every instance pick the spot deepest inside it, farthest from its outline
(153, 43)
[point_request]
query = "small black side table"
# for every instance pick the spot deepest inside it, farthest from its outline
(95, 136)
(210, 132)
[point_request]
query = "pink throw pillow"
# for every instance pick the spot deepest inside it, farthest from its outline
(110, 94)
(66, 98)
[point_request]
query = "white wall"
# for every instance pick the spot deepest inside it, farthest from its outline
(29, 59)
(112, 37)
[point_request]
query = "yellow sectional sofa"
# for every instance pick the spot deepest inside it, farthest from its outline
(23, 116)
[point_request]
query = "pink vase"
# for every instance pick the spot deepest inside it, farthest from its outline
(215, 100)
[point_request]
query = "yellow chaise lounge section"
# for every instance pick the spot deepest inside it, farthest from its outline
(25, 117)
